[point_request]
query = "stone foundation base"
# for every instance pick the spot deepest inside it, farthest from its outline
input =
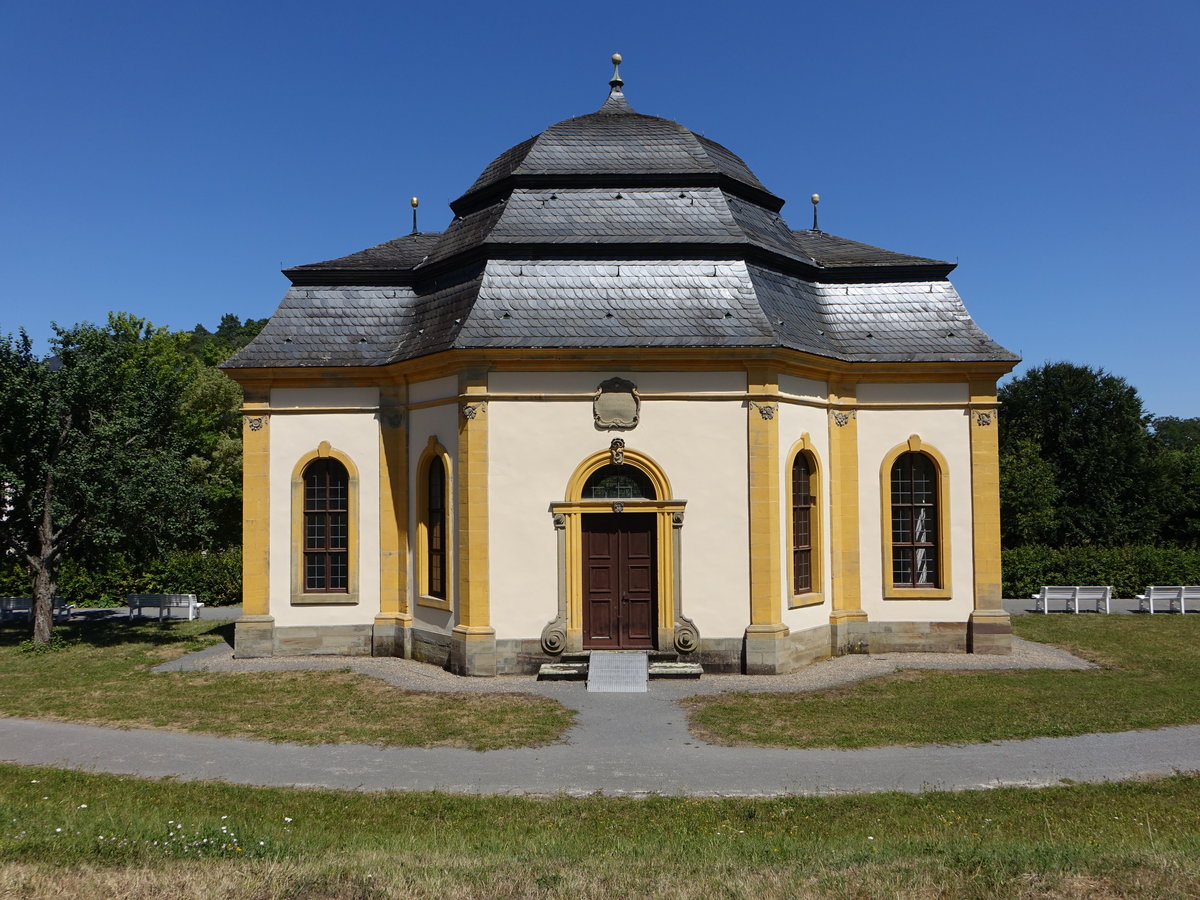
(390, 637)
(990, 631)
(917, 637)
(254, 637)
(473, 653)
(764, 652)
(430, 647)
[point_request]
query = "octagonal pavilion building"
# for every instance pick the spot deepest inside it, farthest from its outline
(620, 404)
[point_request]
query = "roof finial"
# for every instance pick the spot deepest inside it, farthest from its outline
(816, 198)
(415, 203)
(616, 83)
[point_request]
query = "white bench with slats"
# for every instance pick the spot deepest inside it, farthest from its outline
(1172, 595)
(1071, 596)
(164, 603)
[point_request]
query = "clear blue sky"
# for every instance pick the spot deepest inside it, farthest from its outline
(168, 158)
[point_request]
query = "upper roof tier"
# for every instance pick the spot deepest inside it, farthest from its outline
(615, 146)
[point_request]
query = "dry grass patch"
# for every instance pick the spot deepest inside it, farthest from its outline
(1149, 678)
(80, 835)
(103, 677)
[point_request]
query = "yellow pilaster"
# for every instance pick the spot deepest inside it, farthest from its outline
(254, 632)
(844, 515)
(990, 629)
(765, 640)
(256, 516)
(762, 430)
(474, 648)
(394, 611)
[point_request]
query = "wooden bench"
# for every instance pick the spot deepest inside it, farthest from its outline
(1071, 596)
(1171, 594)
(22, 607)
(164, 603)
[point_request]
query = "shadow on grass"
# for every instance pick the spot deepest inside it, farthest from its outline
(114, 630)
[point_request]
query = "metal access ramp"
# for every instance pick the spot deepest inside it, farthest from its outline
(618, 672)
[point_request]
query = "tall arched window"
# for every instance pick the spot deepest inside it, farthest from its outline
(803, 502)
(326, 527)
(914, 502)
(435, 524)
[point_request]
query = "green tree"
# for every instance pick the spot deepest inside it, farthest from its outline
(1091, 431)
(1028, 495)
(90, 459)
(1176, 457)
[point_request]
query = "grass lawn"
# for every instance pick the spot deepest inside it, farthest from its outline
(102, 676)
(83, 835)
(1150, 677)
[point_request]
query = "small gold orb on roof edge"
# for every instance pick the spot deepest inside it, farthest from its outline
(616, 58)
(415, 202)
(816, 198)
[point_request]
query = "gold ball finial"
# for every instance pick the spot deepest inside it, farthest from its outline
(616, 82)
(816, 198)
(415, 202)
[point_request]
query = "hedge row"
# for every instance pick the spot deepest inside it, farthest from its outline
(214, 577)
(1128, 569)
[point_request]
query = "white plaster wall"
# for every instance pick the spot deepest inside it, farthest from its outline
(804, 388)
(948, 431)
(585, 383)
(324, 398)
(442, 422)
(915, 392)
(291, 437)
(534, 446)
(794, 421)
(434, 389)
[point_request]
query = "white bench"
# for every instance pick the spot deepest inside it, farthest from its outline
(1171, 594)
(1071, 596)
(22, 607)
(164, 603)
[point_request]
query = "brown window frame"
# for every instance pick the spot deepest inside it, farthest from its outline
(326, 506)
(435, 523)
(803, 504)
(909, 514)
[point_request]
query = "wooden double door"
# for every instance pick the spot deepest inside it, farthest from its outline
(620, 581)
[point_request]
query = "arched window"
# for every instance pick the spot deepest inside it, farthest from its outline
(326, 527)
(435, 524)
(615, 482)
(434, 547)
(803, 503)
(914, 507)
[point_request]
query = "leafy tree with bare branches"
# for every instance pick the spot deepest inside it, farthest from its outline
(90, 458)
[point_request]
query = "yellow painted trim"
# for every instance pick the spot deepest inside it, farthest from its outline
(256, 510)
(844, 546)
(299, 597)
(791, 362)
(601, 458)
(393, 507)
(944, 589)
(816, 526)
(762, 442)
(985, 496)
(433, 450)
(471, 487)
(575, 507)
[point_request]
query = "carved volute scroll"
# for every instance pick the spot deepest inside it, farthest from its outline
(617, 449)
(616, 405)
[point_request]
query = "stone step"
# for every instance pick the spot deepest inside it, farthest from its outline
(563, 671)
(675, 670)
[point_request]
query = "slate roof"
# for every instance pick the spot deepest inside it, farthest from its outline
(617, 229)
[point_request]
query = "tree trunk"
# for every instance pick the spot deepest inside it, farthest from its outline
(45, 583)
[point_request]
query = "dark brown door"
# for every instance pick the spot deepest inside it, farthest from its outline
(619, 581)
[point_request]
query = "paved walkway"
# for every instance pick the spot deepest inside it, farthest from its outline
(622, 744)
